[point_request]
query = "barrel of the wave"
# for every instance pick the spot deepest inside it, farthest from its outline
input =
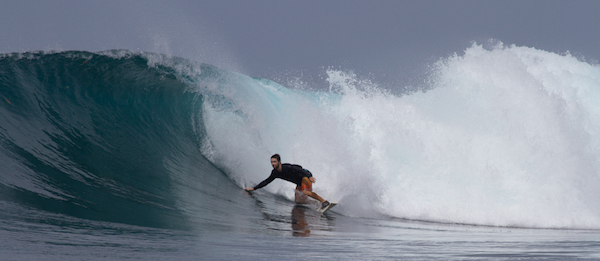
(94, 134)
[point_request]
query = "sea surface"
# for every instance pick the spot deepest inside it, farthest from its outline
(122, 155)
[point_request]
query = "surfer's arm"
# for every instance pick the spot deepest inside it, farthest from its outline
(264, 182)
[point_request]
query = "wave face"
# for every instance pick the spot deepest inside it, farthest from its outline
(503, 137)
(108, 136)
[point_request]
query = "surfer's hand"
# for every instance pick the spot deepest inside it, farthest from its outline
(312, 179)
(249, 189)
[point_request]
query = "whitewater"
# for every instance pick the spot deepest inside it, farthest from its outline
(501, 137)
(495, 155)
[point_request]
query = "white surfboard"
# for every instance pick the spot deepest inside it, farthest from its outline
(331, 205)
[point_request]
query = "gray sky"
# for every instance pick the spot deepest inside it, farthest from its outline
(390, 41)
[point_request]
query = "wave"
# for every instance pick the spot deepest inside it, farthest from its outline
(505, 136)
(108, 136)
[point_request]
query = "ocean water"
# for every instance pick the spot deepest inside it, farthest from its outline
(119, 155)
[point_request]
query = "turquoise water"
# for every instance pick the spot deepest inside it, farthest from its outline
(121, 155)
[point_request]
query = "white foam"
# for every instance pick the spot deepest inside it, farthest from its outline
(505, 137)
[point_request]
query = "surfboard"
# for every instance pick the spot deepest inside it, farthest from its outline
(331, 205)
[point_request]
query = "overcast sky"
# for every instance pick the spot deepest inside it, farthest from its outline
(388, 40)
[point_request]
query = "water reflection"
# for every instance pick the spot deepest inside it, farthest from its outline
(300, 227)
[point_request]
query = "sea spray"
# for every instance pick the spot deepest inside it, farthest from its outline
(504, 137)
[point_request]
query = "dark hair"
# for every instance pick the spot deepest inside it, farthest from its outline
(277, 157)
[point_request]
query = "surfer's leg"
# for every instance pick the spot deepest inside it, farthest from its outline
(300, 197)
(306, 188)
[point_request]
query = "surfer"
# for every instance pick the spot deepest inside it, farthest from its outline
(295, 174)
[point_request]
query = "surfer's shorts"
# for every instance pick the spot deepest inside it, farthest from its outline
(306, 184)
(301, 198)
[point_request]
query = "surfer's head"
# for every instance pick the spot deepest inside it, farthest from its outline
(276, 161)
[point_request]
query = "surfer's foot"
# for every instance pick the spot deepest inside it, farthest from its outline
(324, 204)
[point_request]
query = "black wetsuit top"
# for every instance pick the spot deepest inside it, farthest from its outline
(289, 172)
